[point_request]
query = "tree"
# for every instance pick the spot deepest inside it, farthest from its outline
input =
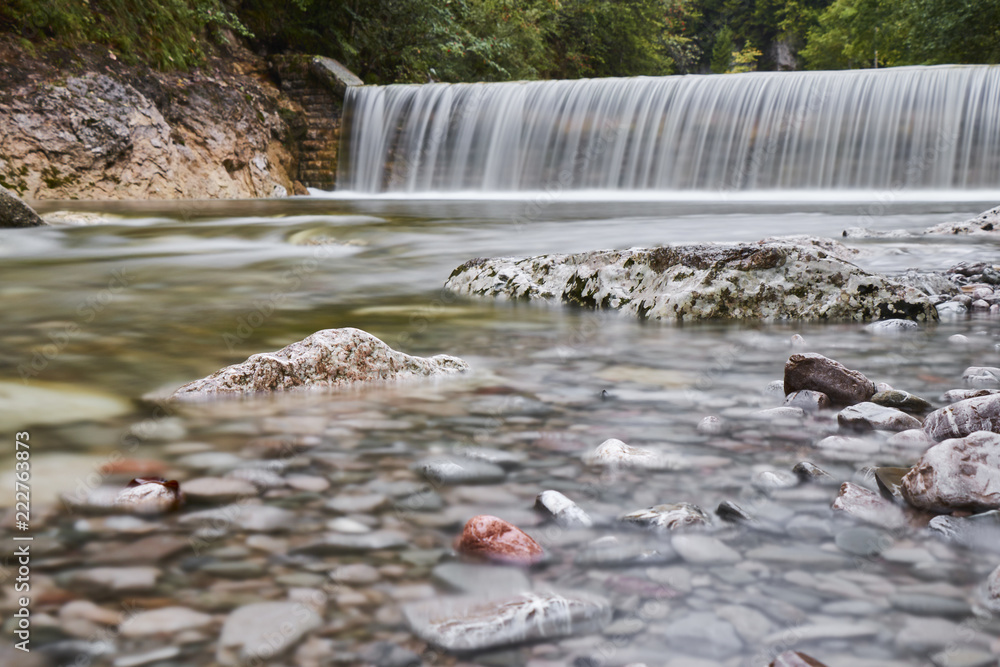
(849, 32)
(722, 51)
(597, 38)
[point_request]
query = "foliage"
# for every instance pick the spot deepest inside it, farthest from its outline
(597, 38)
(167, 34)
(904, 32)
(388, 41)
(722, 50)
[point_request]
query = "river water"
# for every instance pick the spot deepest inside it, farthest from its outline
(96, 317)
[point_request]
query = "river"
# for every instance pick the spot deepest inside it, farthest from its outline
(96, 317)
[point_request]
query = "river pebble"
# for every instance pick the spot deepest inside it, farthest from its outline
(703, 634)
(249, 632)
(818, 373)
(957, 474)
(562, 510)
(869, 507)
(494, 539)
(667, 517)
(704, 550)
(461, 471)
(472, 624)
(868, 416)
(165, 621)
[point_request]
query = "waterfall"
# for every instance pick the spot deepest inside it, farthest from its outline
(912, 128)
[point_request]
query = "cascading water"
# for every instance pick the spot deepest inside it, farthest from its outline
(912, 128)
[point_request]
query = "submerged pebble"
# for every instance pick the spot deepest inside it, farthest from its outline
(562, 510)
(494, 539)
(667, 517)
(463, 625)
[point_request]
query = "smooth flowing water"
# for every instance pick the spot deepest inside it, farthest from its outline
(96, 317)
(912, 129)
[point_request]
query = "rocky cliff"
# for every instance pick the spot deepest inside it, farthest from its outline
(86, 126)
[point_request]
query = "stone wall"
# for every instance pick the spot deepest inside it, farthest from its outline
(318, 84)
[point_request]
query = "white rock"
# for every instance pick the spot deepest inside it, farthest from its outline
(982, 376)
(869, 506)
(563, 511)
(871, 416)
(262, 631)
(87, 610)
(957, 474)
(710, 425)
(118, 578)
(218, 489)
(165, 621)
(615, 453)
(989, 593)
(759, 281)
(980, 413)
(668, 517)
(892, 327)
(326, 359)
(472, 624)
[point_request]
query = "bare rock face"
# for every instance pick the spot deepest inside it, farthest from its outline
(775, 279)
(327, 359)
(492, 538)
(110, 135)
(817, 373)
(958, 420)
(467, 624)
(15, 213)
(957, 474)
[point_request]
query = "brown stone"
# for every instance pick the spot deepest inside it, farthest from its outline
(958, 420)
(494, 539)
(957, 474)
(817, 373)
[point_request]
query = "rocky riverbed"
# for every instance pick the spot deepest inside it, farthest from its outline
(678, 495)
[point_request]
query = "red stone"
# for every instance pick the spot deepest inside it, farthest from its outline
(494, 539)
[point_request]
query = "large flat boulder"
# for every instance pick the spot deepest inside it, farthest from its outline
(329, 358)
(780, 279)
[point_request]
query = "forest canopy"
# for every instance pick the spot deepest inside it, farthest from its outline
(388, 41)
